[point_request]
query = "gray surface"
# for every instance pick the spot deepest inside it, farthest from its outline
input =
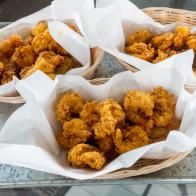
(183, 172)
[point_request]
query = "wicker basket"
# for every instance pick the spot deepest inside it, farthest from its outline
(142, 166)
(165, 16)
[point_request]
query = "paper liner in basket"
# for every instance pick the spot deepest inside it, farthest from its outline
(27, 138)
(113, 21)
(76, 44)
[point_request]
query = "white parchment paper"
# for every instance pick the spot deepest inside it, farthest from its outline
(27, 139)
(74, 43)
(113, 21)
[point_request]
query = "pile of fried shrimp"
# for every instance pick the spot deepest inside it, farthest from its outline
(21, 57)
(155, 48)
(96, 133)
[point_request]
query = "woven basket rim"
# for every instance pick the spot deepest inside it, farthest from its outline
(167, 8)
(128, 172)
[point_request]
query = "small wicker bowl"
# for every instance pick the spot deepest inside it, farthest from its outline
(165, 16)
(142, 166)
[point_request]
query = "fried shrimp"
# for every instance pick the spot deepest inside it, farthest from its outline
(161, 56)
(8, 72)
(44, 42)
(139, 106)
(46, 62)
(69, 106)
(106, 144)
(111, 110)
(39, 28)
(163, 42)
(191, 42)
(160, 133)
(139, 36)
(164, 107)
(103, 129)
(181, 35)
(141, 50)
(84, 155)
(74, 132)
(131, 138)
(90, 113)
(23, 56)
(7, 47)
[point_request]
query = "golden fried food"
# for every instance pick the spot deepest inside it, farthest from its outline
(90, 113)
(103, 129)
(23, 56)
(131, 138)
(138, 37)
(39, 28)
(141, 50)
(1, 67)
(163, 55)
(8, 72)
(69, 106)
(155, 48)
(157, 134)
(191, 42)
(67, 64)
(181, 34)
(44, 42)
(84, 155)
(96, 133)
(163, 42)
(164, 107)
(24, 71)
(139, 106)
(8, 46)
(111, 110)
(74, 132)
(46, 62)
(160, 133)
(105, 144)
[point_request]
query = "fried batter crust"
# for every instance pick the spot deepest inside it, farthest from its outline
(68, 106)
(84, 155)
(139, 108)
(164, 107)
(74, 132)
(131, 138)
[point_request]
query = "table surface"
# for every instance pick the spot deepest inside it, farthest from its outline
(12, 176)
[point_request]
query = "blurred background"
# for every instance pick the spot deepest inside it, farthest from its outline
(11, 10)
